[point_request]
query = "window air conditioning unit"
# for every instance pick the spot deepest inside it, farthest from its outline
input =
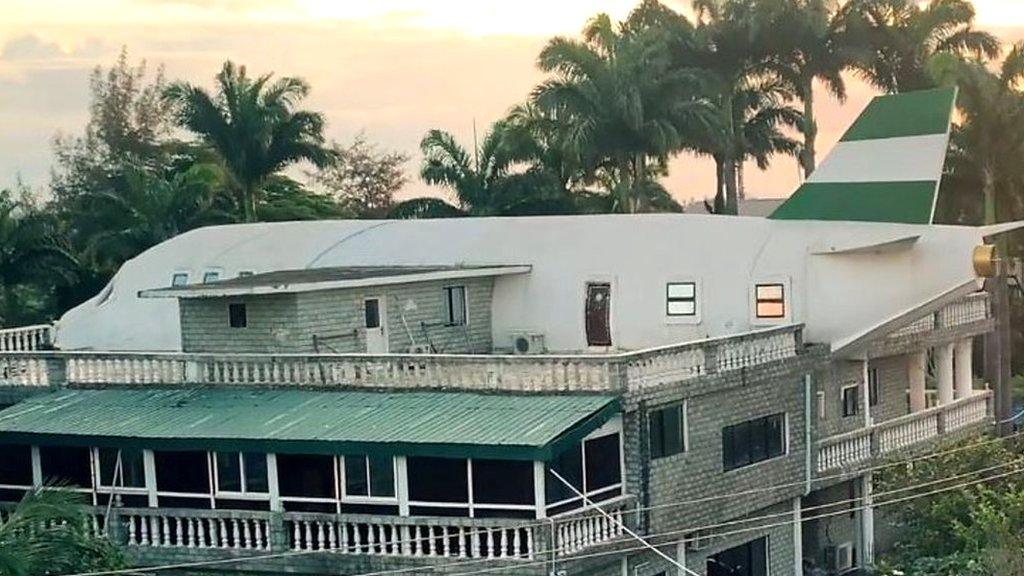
(841, 558)
(528, 343)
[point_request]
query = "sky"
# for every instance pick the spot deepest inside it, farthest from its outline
(391, 69)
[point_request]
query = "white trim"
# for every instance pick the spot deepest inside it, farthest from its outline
(273, 488)
(37, 467)
(369, 499)
(214, 292)
(901, 159)
(402, 485)
(244, 493)
(149, 469)
(539, 490)
(842, 400)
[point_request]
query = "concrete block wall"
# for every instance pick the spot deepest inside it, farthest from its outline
(286, 323)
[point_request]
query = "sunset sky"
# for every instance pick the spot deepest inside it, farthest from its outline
(391, 68)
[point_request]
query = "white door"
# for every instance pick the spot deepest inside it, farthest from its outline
(375, 322)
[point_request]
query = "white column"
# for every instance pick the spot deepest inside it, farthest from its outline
(865, 394)
(798, 538)
(681, 558)
(964, 378)
(37, 467)
(539, 491)
(273, 487)
(149, 471)
(867, 521)
(917, 367)
(402, 485)
(944, 372)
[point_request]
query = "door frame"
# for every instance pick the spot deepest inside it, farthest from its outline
(612, 282)
(382, 317)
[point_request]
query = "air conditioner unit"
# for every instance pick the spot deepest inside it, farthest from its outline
(528, 343)
(841, 558)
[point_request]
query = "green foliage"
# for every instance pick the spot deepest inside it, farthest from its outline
(48, 533)
(361, 178)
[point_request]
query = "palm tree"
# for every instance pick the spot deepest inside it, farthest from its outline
(254, 126)
(48, 532)
(903, 35)
(627, 108)
(988, 139)
(762, 115)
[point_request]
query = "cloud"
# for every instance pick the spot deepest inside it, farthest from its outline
(30, 47)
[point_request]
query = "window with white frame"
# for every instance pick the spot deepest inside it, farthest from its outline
(770, 300)
(368, 477)
(593, 468)
(455, 305)
(15, 466)
(667, 431)
(240, 474)
(477, 488)
(119, 469)
(179, 279)
(211, 276)
(245, 273)
(851, 400)
(681, 299)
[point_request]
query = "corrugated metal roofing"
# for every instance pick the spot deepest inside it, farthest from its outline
(528, 427)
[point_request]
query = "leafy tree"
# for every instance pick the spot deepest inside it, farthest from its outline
(48, 533)
(627, 108)
(762, 115)
(903, 35)
(363, 179)
(285, 199)
(253, 124)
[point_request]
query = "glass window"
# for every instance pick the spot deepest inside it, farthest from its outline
(502, 482)
(66, 464)
(568, 465)
(16, 465)
(211, 277)
(255, 464)
(750, 559)
(681, 299)
(604, 467)
(770, 300)
(667, 435)
(229, 472)
(873, 386)
(245, 273)
(185, 472)
(438, 479)
(131, 473)
(237, 316)
(370, 476)
(372, 313)
(753, 441)
(308, 476)
(592, 467)
(244, 473)
(179, 279)
(455, 305)
(851, 401)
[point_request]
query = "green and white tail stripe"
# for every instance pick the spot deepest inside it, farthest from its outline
(886, 168)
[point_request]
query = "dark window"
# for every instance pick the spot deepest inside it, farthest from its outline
(681, 299)
(750, 559)
(237, 316)
(873, 386)
(666, 431)
(16, 465)
(370, 476)
(851, 401)
(245, 273)
(437, 480)
(186, 472)
(568, 465)
(753, 441)
(211, 277)
(502, 482)
(770, 300)
(455, 305)
(371, 309)
(306, 475)
(230, 467)
(255, 472)
(604, 467)
(179, 279)
(131, 473)
(597, 314)
(66, 464)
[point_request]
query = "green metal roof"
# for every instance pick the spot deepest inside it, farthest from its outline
(455, 424)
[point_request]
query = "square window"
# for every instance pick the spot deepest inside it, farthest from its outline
(211, 277)
(179, 279)
(455, 305)
(242, 473)
(770, 300)
(851, 401)
(369, 476)
(681, 299)
(237, 317)
(753, 441)
(130, 473)
(667, 432)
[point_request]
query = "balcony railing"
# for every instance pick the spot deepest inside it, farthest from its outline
(563, 373)
(969, 310)
(26, 338)
(862, 446)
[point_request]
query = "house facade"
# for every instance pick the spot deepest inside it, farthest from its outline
(550, 395)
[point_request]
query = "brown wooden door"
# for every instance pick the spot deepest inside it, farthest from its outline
(598, 314)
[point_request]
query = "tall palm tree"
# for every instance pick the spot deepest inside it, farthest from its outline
(254, 125)
(627, 107)
(48, 533)
(988, 139)
(762, 116)
(903, 35)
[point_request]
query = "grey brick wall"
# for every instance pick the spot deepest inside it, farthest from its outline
(832, 530)
(286, 323)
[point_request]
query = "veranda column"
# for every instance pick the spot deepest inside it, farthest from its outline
(964, 379)
(867, 521)
(798, 537)
(944, 372)
(917, 367)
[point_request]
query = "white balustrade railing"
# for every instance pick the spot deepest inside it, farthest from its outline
(25, 338)
(969, 310)
(411, 537)
(491, 372)
(577, 532)
(194, 529)
(860, 446)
